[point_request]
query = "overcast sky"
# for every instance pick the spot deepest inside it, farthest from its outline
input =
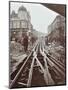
(41, 16)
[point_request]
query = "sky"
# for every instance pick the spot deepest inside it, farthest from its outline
(41, 16)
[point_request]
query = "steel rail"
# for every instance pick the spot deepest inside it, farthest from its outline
(17, 75)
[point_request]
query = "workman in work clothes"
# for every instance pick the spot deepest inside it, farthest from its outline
(32, 40)
(25, 43)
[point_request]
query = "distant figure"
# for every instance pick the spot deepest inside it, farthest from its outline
(46, 40)
(25, 43)
(32, 40)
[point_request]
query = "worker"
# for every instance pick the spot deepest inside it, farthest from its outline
(25, 43)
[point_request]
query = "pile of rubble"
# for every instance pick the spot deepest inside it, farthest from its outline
(57, 51)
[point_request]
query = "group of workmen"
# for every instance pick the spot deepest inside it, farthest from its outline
(24, 41)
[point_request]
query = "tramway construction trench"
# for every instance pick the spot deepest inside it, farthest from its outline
(38, 69)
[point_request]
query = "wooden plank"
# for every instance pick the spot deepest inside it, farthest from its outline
(19, 61)
(50, 80)
(55, 62)
(55, 59)
(23, 84)
(56, 67)
(30, 73)
(45, 74)
(16, 77)
(58, 64)
(48, 76)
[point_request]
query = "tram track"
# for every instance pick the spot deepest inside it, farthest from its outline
(38, 69)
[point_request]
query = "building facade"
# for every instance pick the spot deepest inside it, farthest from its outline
(20, 22)
(59, 22)
(56, 31)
